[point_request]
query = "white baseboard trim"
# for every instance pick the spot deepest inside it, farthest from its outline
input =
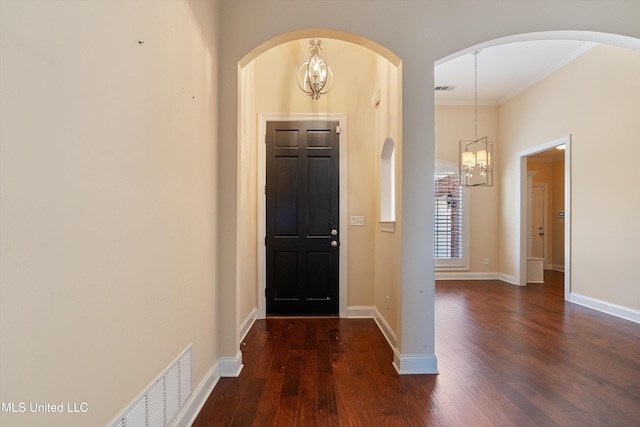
(606, 307)
(231, 366)
(248, 323)
(361, 312)
(193, 406)
(509, 279)
(556, 267)
(403, 363)
(371, 312)
(386, 330)
(466, 275)
(139, 408)
(224, 367)
(415, 363)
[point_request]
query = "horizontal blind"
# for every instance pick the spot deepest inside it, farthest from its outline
(448, 216)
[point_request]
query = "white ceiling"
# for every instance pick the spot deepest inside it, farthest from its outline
(503, 71)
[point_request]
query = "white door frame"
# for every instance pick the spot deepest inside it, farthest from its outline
(522, 230)
(263, 118)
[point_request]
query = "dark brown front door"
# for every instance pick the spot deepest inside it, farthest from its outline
(302, 218)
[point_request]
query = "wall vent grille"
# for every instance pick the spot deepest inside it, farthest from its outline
(171, 392)
(155, 404)
(161, 402)
(185, 378)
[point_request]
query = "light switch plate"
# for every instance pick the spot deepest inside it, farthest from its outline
(357, 221)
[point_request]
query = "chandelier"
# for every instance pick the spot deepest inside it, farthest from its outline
(476, 162)
(314, 74)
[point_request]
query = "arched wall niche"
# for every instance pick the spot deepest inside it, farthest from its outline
(387, 181)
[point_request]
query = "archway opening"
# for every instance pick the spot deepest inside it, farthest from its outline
(366, 99)
(566, 100)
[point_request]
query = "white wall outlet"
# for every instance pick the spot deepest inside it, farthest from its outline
(357, 221)
(486, 261)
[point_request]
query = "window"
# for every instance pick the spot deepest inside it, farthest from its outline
(450, 236)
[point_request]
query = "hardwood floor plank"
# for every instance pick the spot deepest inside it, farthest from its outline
(248, 405)
(507, 356)
(327, 404)
(349, 395)
(310, 335)
(274, 373)
(543, 408)
(308, 405)
(220, 409)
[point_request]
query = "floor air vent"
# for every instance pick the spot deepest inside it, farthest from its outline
(160, 403)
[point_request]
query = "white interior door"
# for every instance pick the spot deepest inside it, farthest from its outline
(537, 221)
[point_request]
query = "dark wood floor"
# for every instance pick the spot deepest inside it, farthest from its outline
(507, 356)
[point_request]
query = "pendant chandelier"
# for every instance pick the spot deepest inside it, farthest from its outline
(314, 74)
(476, 156)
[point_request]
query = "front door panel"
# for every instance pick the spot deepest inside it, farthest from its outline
(302, 218)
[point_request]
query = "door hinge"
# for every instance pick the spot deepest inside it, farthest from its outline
(265, 292)
(338, 129)
(265, 241)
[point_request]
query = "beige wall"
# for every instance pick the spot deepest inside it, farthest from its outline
(388, 244)
(247, 274)
(107, 201)
(596, 99)
(455, 123)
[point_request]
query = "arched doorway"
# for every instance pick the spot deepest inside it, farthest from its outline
(268, 91)
(513, 211)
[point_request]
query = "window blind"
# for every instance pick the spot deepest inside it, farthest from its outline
(448, 216)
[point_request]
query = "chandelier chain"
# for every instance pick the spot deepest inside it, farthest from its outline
(475, 55)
